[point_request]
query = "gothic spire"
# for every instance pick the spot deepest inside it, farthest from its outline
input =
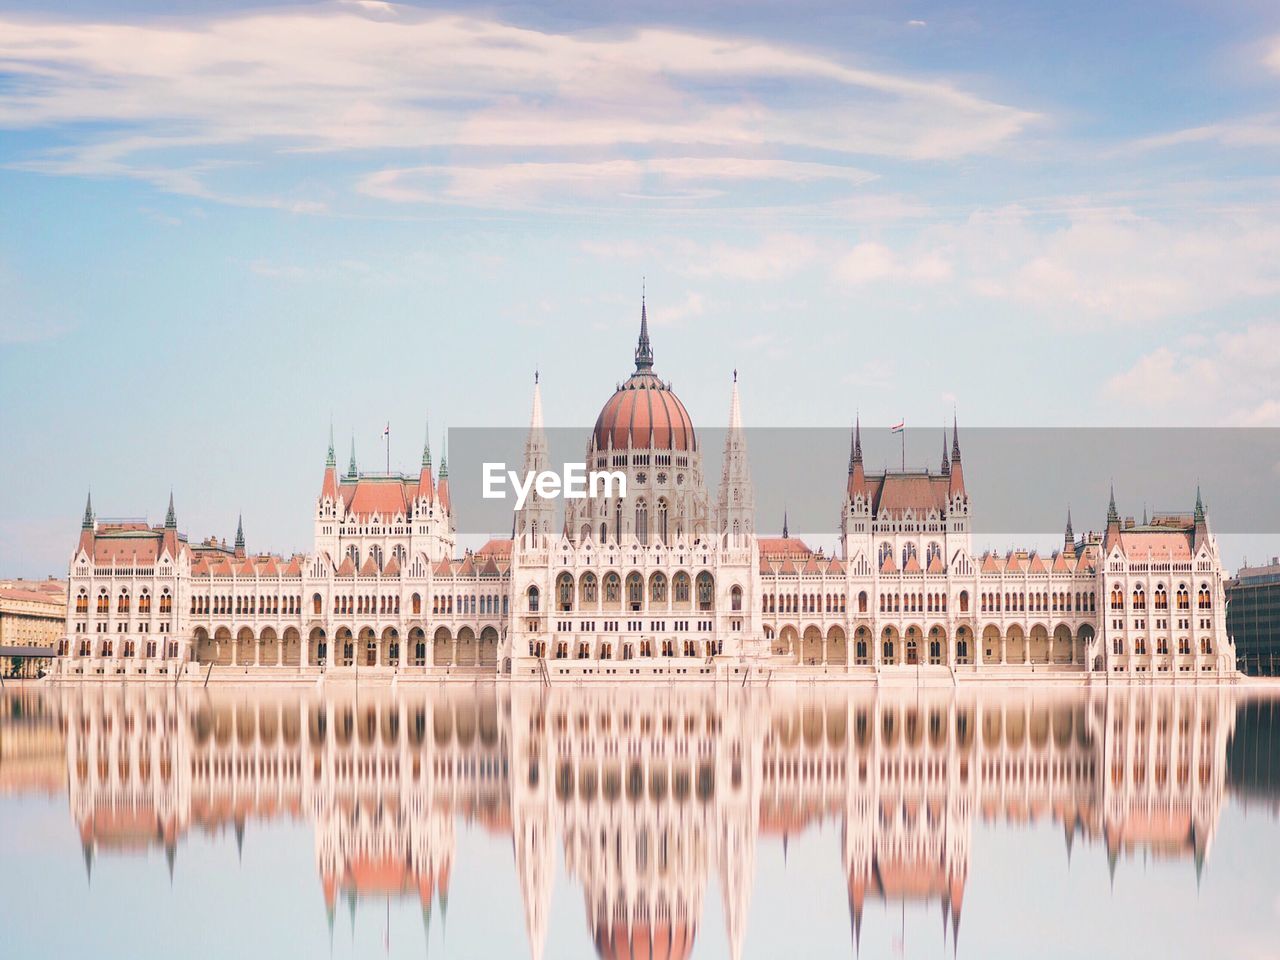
(87, 523)
(946, 464)
(855, 444)
(1113, 515)
(331, 460)
(1069, 537)
(444, 456)
(171, 518)
(644, 352)
(426, 448)
(955, 438)
(785, 534)
(240, 532)
(1199, 517)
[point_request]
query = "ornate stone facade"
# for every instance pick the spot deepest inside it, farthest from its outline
(667, 581)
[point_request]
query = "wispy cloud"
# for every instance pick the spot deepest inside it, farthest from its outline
(523, 113)
(1227, 379)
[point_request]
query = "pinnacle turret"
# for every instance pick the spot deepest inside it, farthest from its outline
(946, 464)
(240, 533)
(331, 460)
(644, 352)
(171, 518)
(351, 467)
(87, 523)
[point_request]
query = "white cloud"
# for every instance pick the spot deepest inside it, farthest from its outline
(1227, 379)
(178, 102)
(677, 313)
(870, 261)
(1111, 265)
(775, 256)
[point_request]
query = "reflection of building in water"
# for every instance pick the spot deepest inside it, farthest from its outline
(32, 745)
(649, 791)
(666, 581)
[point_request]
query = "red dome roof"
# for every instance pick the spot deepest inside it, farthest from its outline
(643, 413)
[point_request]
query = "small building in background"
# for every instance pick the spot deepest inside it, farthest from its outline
(33, 615)
(1253, 618)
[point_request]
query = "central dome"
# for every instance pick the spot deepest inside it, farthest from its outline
(644, 413)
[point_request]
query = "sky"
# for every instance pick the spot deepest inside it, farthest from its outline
(225, 227)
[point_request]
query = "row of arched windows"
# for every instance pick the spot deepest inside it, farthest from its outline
(1160, 599)
(1038, 602)
(123, 604)
(588, 590)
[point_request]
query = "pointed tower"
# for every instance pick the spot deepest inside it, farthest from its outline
(736, 505)
(240, 551)
(959, 534)
(644, 352)
(426, 481)
(1201, 521)
(352, 474)
(1113, 523)
(87, 526)
(535, 521)
(442, 488)
(956, 487)
(946, 464)
(169, 543)
(1068, 536)
(855, 517)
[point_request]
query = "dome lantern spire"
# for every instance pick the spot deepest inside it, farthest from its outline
(644, 351)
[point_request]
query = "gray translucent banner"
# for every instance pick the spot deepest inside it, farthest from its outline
(1019, 480)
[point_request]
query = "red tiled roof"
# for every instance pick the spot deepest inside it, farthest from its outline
(1171, 545)
(777, 546)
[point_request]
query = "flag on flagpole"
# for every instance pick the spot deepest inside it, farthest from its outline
(898, 427)
(386, 431)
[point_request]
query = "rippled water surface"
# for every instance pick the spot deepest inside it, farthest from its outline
(484, 821)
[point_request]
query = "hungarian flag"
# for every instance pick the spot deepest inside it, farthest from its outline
(386, 431)
(898, 427)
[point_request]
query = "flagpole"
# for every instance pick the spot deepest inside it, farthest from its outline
(386, 434)
(903, 431)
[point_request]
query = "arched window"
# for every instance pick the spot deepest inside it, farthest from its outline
(735, 598)
(1203, 597)
(932, 552)
(1184, 597)
(658, 588)
(1139, 598)
(862, 601)
(964, 601)
(908, 553)
(82, 604)
(680, 587)
(1161, 597)
(886, 550)
(706, 591)
(315, 604)
(642, 521)
(1117, 599)
(564, 593)
(635, 591)
(662, 520)
(533, 599)
(416, 604)
(612, 588)
(376, 553)
(588, 588)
